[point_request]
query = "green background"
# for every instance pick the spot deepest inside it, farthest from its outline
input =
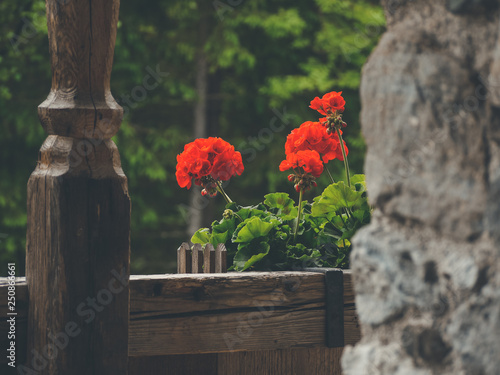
(263, 57)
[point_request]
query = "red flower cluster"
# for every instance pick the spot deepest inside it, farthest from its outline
(315, 143)
(207, 159)
(308, 160)
(314, 136)
(329, 103)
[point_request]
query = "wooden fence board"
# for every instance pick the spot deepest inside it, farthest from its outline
(240, 311)
(301, 326)
(182, 293)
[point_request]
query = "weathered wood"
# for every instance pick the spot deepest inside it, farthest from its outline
(225, 312)
(314, 361)
(266, 362)
(197, 260)
(334, 284)
(352, 329)
(317, 361)
(198, 364)
(220, 258)
(183, 264)
(209, 259)
(77, 248)
(321, 361)
(189, 293)
(82, 37)
(170, 297)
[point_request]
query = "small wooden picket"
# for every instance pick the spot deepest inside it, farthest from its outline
(201, 260)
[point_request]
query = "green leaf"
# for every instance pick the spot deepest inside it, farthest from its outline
(335, 197)
(247, 212)
(201, 236)
(218, 238)
(224, 225)
(331, 231)
(279, 200)
(284, 205)
(358, 181)
(253, 228)
(249, 254)
(363, 214)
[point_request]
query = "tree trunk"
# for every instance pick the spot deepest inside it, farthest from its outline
(198, 203)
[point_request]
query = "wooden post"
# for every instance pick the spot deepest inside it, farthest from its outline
(78, 246)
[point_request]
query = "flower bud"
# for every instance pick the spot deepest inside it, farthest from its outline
(204, 192)
(297, 187)
(291, 177)
(228, 214)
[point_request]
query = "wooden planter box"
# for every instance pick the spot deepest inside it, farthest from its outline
(230, 323)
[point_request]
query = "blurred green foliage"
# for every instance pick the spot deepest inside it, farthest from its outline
(265, 58)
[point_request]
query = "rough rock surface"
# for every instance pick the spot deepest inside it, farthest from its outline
(427, 269)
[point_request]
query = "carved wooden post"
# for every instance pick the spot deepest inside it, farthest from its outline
(77, 262)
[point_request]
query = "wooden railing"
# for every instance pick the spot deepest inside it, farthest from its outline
(172, 316)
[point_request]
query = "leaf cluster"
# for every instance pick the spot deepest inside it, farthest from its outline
(261, 237)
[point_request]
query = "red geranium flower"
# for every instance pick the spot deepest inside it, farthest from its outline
(313, 136)
(207, 158)
(329, 103)
(308, 160)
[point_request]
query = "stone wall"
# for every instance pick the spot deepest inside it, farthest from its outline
(427, 269)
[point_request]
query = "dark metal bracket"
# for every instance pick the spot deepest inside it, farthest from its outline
(334, 285)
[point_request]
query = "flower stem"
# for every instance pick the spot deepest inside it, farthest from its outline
(329, 174)
(346, 164)
(299, 214)
(221, 190)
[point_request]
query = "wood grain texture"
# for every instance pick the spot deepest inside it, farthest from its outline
(78, 207)
(201, 260)
(77, 236)
(334, 283)
(184, 258)
(220, 312)
(197, 259)
(352, 328)
(220, 259)
(315, 361)
(189, 364)
(192, 294)
(82, 37)
(209, 259)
